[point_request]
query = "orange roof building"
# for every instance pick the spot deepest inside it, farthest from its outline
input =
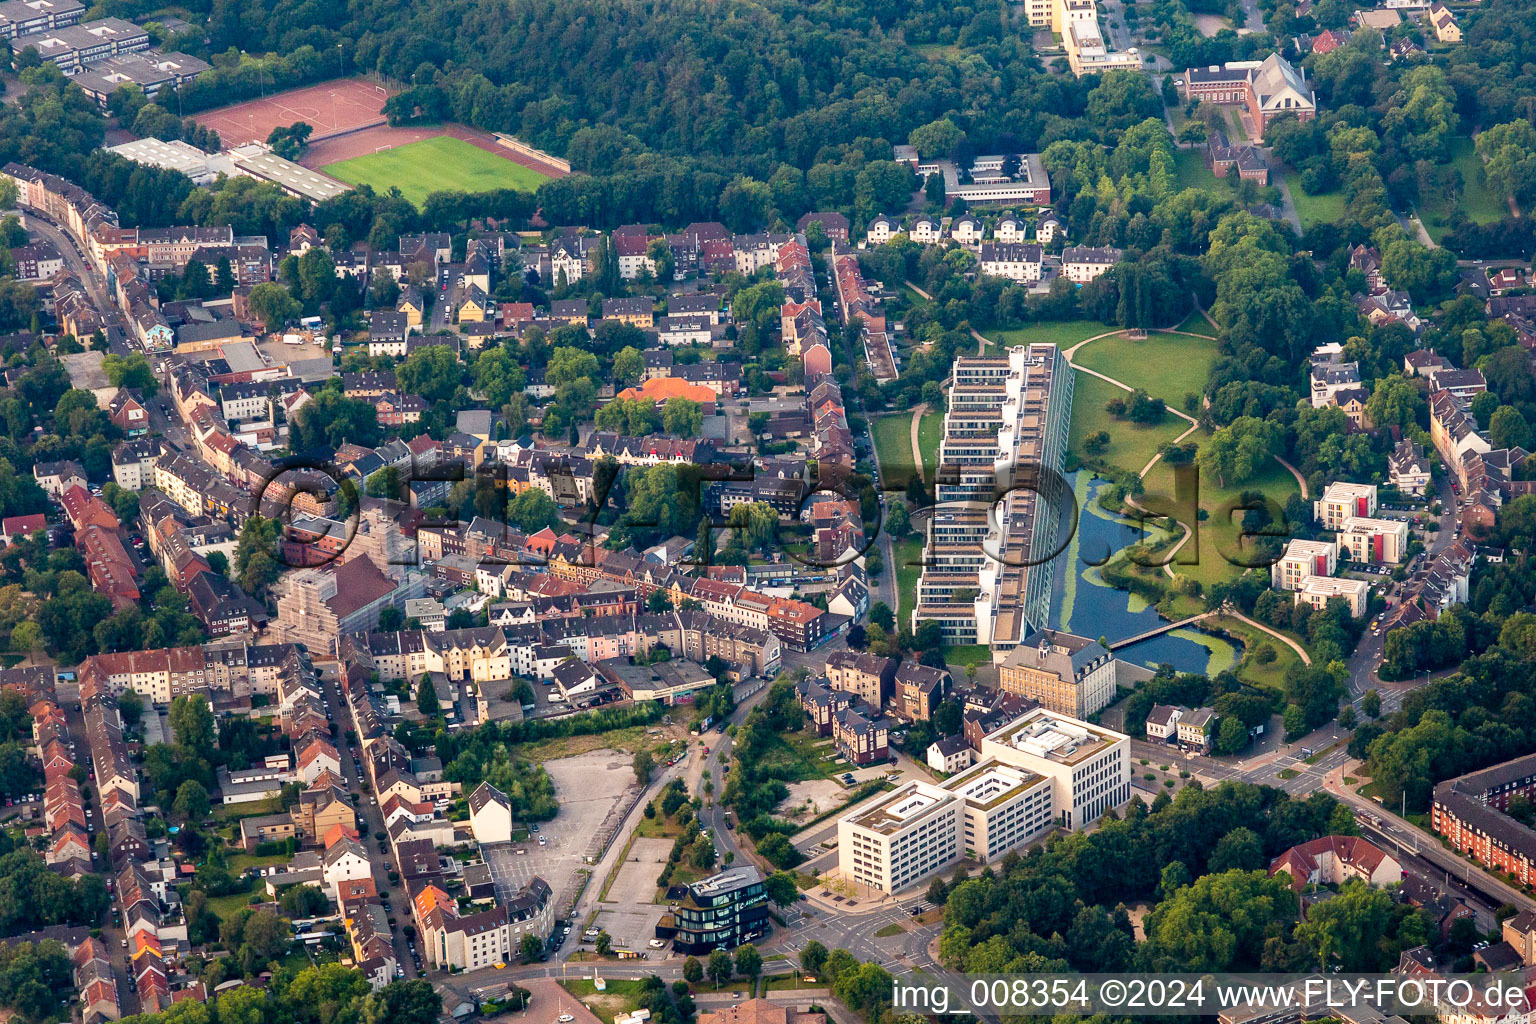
(663, 389)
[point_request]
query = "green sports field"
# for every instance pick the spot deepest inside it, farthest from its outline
(418, 169)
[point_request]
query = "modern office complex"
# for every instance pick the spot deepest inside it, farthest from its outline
(1089, 766)
(1042, 771)
(999, 497)
(721, 912)
(902, 838)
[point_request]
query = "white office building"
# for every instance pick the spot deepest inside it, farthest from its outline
(1089, 766)
(1039, 772)
(903, 838)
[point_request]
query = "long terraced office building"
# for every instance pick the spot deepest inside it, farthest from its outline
(1006, 427)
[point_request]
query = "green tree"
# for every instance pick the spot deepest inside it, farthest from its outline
(433, 372)
(749, 962)
(1346, 932)
(693, 971)
(935, 139)
(426, 696)
(644, 765)
(533, 510)
(192, 725)
(1239, 450)
(191, 802)
(1219, 922)
(781, 888)
(272, 305)
(628, 367)
(683, 418)
(326, 994)
(719, 967)
(813, 958)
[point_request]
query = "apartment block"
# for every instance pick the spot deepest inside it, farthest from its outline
(1303, 558)
(1373, 541)
(1342, 500)
(1003, 806)
(1317, 591)
(1041, 771)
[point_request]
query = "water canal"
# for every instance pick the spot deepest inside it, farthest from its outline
(1083, 603)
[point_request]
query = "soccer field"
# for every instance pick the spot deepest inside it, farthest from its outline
(434, 165)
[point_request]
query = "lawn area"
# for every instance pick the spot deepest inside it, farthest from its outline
(239, 863)
(1218, 533)
(1324, 208)
(1193, 173)
(1130, 446)
(1269, 676)
(1196, 323)
(930, 434)
(1239, 132)
(893, 447)
(225, 907)
(789, 983)
(434, 165)
(1477, 201)
(234, 812)
(632, 738)
(619, 995)
(1065, 333)
(967, 655)
(908, 552)
(893, 928)
(1168, 366)
(799, 756)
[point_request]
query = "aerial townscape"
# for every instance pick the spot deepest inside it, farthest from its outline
(703, 512)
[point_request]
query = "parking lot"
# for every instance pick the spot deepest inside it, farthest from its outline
(589, 789)
(628, 915)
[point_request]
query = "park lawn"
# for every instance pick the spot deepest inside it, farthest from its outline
(908, 552)
(1219, 534)
(930, 434)
(1064, 333)
(1239, 131)
(1130, 445)
(1192, 171)
(435, 165)
(1477, 201)
(634, 737)
(1167, 366)
(893, 447)
(1268, 677)
(1196, 323)
(1323, 208)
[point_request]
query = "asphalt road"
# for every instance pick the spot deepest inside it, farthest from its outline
(370, 811)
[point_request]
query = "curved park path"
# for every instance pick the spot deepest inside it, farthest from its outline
(917, 451)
